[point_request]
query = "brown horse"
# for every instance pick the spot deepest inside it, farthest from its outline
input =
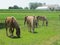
(31, 22)
(43, 18)
(11, 23)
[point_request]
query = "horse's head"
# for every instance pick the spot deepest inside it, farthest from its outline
(38, 17)
(18, 32)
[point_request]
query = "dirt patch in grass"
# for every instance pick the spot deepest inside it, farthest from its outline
(51, 40)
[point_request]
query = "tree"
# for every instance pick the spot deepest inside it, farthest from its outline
(16, 7)
(10, 7)
(52, 8)
(26, 8)
(20, 8)
(34, 5)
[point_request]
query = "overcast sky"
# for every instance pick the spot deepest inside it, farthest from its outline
(4, 4)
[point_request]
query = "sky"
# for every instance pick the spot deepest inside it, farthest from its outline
(4, 4)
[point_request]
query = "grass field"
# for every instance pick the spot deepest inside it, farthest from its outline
(44, 36)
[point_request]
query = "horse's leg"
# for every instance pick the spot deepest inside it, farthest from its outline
(18, 32)
(43, 23)
(6, 26)
(32, 29)
(6, 31)
(36, 24)
(29, 27)
(10, 30)
(33, 26)
(46, 23)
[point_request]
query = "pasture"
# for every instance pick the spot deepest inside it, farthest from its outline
(43, 36)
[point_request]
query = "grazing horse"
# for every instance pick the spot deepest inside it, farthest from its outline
(42, 18)
(11, 23)
(31, 22)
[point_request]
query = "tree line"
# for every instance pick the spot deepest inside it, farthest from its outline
(31, 6)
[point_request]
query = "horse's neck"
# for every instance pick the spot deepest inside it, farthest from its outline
(16, 24)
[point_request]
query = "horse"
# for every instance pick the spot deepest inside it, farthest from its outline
(11, 23)
(42, 18)
(31, 22)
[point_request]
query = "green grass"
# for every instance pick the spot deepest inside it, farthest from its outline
(43, 33)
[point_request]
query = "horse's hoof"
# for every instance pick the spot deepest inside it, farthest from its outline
(12, 36)
(32, 32)
(18, 36)
(7, 35)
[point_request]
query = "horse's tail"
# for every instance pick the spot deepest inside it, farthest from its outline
(25, 20)
(5, 22)
(6, 26)
(46, 22)
(34, 21)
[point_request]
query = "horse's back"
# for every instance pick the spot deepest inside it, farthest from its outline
(30, 18)
(9, 19)
(42, 17)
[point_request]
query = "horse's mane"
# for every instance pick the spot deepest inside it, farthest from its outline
(13, 17)
(15, 21)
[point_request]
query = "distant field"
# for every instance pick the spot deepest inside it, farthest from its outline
(43, 35)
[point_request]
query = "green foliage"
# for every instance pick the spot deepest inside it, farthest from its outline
(26, 8)
(15, 7)
(20, 8)
(34, 5)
